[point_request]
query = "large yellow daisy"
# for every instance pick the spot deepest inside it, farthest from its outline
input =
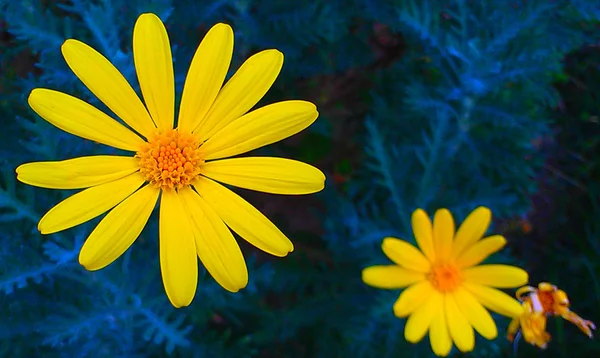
(447, 289)
(182, 164)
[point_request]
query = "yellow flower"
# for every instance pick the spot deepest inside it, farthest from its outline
(447, 289)
(539, 303)
(180, 165)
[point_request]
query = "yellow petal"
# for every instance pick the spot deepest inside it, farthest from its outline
(495, 300)
(460, 330)
(471, 230)
(418, 323)
(216, 246)
(205, 77)
(439, 336)
(88, 204)
(501, 276)
(390, 276)
(267, 174)
(178, 261)
(75, 116)
(405, 254)
(243, 218)
(513, 328)
(77, 173)
(477, 316)
(478, 252)
(261, 127)
(422, 229)
(154, 68)
(118, 230)
(245, 88)
(108, 84)
(443, 233)
(412, 298)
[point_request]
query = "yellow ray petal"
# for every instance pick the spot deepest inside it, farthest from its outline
(478, 252)
(422, 229)
(75, 116)
(216, 246)
(390, 276)
(501, 276)
(476, 315)
(88, 204)
(245, 88)
(118, 230)
(261, 127)
(205, 77)
(412, 298)
(460, 330)
(418, 323)
(178, 261)
(439, 336)
(495, 300)
(154, 68)
(443, 233)
(267, 174)
(471, 230)
(405, 254)
(108, 84)
(77, 173)
(243, 218)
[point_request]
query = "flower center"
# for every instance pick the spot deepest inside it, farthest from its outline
(445, 277)
(170, 160)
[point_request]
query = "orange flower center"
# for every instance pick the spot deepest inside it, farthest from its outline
(445, 277)
(170, 160)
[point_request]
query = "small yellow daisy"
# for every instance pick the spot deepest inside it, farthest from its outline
(447, 289)
(182, 164)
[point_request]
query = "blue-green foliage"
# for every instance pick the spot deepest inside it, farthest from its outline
(451, 123)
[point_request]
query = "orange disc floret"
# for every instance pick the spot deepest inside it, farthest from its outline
(445, 277)
(170, 160)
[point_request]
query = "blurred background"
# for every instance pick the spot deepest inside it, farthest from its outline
(423, 104)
